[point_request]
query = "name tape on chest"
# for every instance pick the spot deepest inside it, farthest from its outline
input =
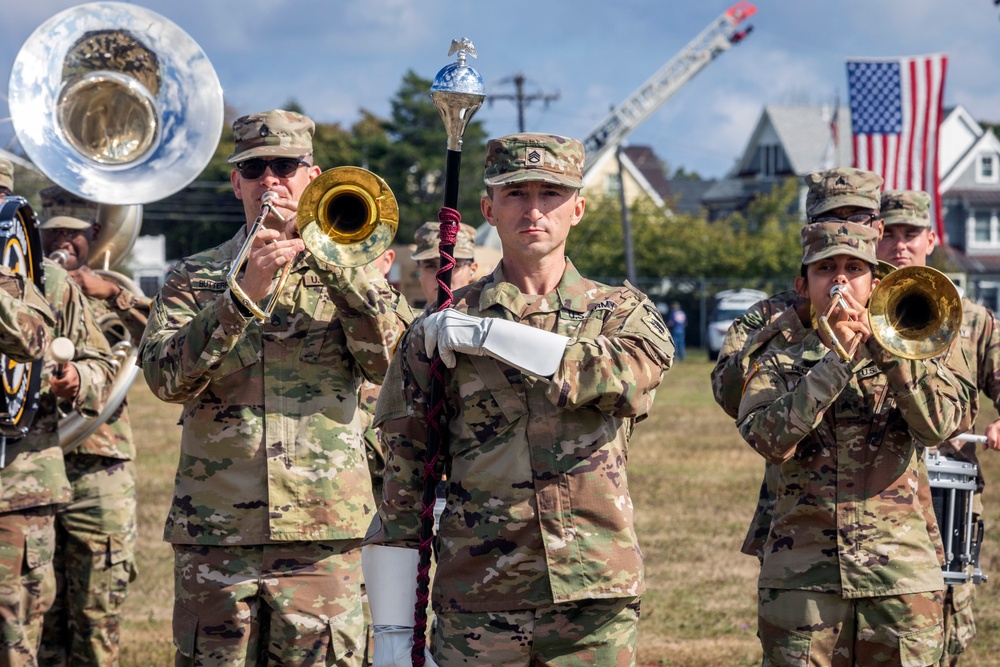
(212, 285)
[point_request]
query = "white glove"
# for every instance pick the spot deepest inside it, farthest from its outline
(393, 645)
(532, 350)
(390, 575)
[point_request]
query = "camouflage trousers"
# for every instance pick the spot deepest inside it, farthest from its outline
(27, 583)
(94, 563)
(591, 632)
(810, 629)
(294, 604)
(959, 622)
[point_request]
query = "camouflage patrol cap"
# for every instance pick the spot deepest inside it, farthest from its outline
(906, 207)
(833, 188)
(62, 209)
(534, 157)
(6, 174)
(276, 133)
(827, 239)
(428, 235)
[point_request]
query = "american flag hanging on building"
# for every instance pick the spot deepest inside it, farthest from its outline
(895, 115)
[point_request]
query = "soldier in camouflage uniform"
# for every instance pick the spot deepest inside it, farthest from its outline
(33, 480)
(908, 241)
(832, 194)
(427, 257)
(851, 573)
(96, 531)
(547, 373)
(272, 494)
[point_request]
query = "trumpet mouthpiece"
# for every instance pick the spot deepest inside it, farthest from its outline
(268, 196)
(60, 257)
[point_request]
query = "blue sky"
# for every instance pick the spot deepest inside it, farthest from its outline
(336, 56)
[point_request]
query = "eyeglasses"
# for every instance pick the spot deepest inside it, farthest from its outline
(282, 167)
(862, 218)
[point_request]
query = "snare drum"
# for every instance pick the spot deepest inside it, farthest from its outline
(953, 484)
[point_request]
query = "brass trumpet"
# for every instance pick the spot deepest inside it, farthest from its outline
(914, 313)
(346, 217)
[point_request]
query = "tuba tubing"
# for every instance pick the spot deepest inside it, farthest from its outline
(74, 428)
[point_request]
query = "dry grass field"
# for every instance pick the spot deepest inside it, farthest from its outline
(694, 483)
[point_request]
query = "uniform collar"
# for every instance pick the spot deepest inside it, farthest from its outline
(570, 294)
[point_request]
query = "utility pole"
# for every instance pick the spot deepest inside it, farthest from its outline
(630, 271)
(520, 98)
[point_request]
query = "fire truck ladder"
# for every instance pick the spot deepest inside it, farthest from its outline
(717, 38)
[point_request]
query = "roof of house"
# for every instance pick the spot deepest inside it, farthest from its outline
(805, 136)
(687, 194)
(978, 197)
(651, 168)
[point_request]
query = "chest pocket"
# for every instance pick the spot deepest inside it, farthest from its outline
(314, 302)
(247, 349)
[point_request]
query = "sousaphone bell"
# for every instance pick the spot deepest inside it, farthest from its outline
(121, 107)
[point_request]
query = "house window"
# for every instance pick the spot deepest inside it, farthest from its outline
(987, 170)
(983, 229)
(772, 160)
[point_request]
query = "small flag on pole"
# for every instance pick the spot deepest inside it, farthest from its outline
(896, 109)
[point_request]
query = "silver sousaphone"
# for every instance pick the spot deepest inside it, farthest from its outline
(120, 106)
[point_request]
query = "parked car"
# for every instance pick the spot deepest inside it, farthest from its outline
(729, 304)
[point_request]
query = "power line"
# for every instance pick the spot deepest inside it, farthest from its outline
(520, 98)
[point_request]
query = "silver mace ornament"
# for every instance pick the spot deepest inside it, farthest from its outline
(458, 92)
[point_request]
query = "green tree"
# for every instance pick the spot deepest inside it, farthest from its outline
(762, 244)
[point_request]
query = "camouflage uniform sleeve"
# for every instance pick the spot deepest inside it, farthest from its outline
(988, 354)
(133, 310)
(781, 406)
(729, 372)
(401, 415)
(618, 371)
(183, 343)
(93, 356)
(931, 395)
(25, 319)
(373, 314)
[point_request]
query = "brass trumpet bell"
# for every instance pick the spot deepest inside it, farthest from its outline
(882, 269)
(915, 312)
(347, 216)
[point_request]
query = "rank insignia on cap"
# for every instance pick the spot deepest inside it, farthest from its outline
(264, 130)
(533, 156)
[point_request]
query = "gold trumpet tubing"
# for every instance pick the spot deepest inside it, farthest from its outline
(261, 314)
(838, 301)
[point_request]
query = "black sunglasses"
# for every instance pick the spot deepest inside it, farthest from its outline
(282, 167)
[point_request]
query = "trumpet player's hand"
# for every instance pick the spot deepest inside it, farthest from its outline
(993, 436)
(270, 252)
(94, 285)
(847, 323)
(65, 381)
